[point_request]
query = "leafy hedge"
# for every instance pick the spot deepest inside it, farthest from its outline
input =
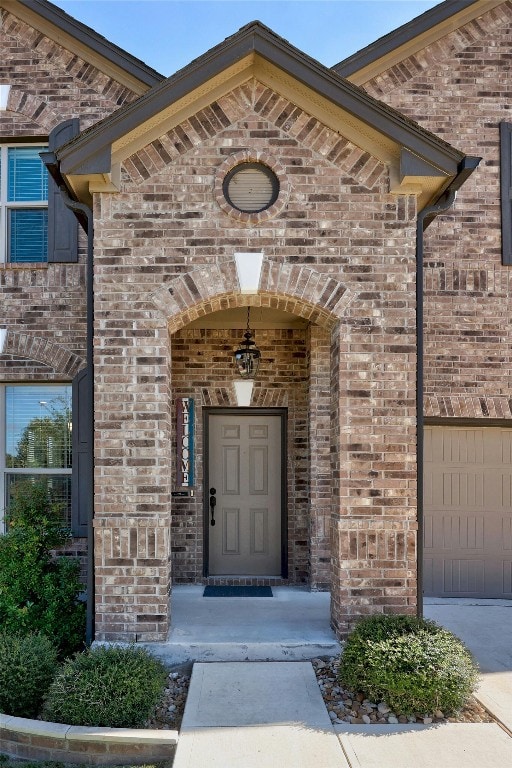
(39, 593)
(110, 686)
(27, 667)
(412, 664)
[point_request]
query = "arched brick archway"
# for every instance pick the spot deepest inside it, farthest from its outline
(368, 412)
(303, 291)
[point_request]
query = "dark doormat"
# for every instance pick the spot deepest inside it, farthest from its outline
(237, 591)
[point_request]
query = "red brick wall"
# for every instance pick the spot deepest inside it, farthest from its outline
(459, 88)
(43, 306)
(339, 251)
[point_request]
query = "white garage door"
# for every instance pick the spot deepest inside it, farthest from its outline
(468, 512)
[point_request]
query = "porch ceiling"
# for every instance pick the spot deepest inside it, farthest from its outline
(261, 318)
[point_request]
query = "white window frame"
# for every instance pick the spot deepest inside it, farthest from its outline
(4, 470)
(5, 205)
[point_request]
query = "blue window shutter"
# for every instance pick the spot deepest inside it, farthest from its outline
(62, 224)
(82, 474)
(506, 191)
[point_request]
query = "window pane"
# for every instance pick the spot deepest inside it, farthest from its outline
(59, 487)
(27, 176)
(38, 426)
(28, 235)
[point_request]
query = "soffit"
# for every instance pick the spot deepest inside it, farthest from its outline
(411, 38)
(262, 318)
(79, 39)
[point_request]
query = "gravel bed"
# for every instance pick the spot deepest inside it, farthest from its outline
(343, 706)
(352, 707)
(168, 713)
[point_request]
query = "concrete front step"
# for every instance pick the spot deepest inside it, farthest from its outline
(174, 653)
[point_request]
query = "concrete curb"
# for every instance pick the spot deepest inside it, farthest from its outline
(38, 739)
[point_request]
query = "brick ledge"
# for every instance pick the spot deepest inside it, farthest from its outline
(38, 739)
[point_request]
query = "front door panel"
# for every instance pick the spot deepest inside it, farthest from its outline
(245, 470)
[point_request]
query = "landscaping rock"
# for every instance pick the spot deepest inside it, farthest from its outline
(353, 707)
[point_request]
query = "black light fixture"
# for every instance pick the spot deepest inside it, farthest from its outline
(247, 356)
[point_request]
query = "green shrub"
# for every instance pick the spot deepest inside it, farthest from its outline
(27, 667)
(111, 686)
(412, 664)
(39, 593)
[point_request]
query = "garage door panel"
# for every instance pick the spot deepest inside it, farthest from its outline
(452, 577)
(444, 531)
(507, 576)
(464, 576)
(468, 512)
(506, 533)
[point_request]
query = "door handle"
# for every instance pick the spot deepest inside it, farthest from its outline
(213, 502)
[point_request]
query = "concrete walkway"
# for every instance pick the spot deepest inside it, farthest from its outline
(270, 713)
(256, 715)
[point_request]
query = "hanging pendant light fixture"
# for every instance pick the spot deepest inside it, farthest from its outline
(247, 356)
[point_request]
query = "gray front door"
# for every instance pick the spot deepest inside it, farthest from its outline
(245, 470)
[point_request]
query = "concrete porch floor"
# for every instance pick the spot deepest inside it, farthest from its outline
(292, 625)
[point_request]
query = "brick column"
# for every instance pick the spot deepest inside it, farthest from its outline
(373, 527)
(133, 453)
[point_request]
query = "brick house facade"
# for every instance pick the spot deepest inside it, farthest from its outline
(333, 301)
(449, 70)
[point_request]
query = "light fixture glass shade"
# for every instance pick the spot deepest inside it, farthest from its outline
(247, 357)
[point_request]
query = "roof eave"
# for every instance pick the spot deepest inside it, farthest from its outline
(410, 38)
(89, 153)
(85, 42)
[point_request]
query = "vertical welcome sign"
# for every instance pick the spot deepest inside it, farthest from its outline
(185, 442)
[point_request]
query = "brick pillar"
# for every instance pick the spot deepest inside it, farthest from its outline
(320, 493)
(373, 526)
(132, 579)
(133, 457)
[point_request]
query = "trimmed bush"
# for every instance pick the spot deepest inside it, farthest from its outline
(27, 667)
(114, 686)
(39, 593)
(412, 664)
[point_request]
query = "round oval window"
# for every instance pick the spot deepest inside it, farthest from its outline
(251, 187)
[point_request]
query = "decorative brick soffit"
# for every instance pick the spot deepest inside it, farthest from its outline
(316, 296)
(43, 351)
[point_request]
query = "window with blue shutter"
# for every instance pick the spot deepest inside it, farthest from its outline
(23, 205)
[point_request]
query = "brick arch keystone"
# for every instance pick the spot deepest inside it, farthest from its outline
(45, 351)
(317, 296)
